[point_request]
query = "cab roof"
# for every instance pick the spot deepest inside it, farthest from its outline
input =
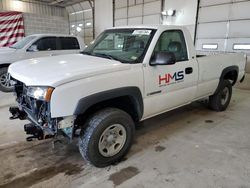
(158, 27)
(51, 35)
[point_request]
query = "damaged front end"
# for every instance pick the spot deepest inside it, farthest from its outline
(34, 105)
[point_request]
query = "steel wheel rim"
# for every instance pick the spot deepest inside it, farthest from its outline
(112, 140)
(224, 96)
(4, 81)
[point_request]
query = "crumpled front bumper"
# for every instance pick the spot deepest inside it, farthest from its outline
(38, 112)
(41, 125)
(35, 129)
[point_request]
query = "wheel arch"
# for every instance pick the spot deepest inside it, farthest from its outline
(229, 73)
(128, 99)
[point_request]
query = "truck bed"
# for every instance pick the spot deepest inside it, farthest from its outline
(212, 66)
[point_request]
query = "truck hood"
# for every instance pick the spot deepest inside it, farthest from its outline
(58, 70)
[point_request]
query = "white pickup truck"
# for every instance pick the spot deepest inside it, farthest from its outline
(127, 75)
(34, 46)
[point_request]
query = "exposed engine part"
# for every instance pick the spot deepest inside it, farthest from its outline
(66, 122)
(31, 129)
(36, 132)
(17, 114)
(68, 132)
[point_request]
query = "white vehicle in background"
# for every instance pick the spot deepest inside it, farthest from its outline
(35, 46)
(127, 75)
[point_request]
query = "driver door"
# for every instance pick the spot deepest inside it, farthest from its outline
(170, 86)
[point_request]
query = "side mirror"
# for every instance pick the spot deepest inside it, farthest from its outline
(163, 58)
(32, 48)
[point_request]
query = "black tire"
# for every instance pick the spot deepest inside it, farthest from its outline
(3, 75)
(96, 126)
(220, 100)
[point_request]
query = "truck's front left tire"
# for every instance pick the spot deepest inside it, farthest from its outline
(107, 138)
(5, 85)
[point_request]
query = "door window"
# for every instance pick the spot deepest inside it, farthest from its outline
(45, 44)
(173, 41)
(69, 43)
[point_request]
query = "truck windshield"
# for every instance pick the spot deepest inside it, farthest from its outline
(22, 43)
(124, 45)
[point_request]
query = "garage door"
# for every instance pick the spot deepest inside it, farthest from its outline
(223, 26)
(137, 12)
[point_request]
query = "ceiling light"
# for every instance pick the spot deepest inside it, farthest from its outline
(241, 47)
(169, 12)
(17, 5)
(73, 26)
(56, 2)
(88, 24)
(80, 25)
(79, 29)
(164, 13)
(78, 12)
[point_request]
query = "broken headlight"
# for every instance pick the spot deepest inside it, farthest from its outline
(40, 93)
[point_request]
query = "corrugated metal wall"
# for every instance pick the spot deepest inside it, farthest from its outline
(39, 18)
(35, 24)
(36, 8)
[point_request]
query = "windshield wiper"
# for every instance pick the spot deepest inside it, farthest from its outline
(101, 55)
(85, 53)
(105, 56)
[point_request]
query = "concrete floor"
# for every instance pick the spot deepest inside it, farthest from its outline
(189, 147)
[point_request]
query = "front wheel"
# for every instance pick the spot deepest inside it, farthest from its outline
(5, 82)
(221, 99)
(107, 138)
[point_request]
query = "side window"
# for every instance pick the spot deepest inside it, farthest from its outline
(173, 41)
(45, 44)
(69, 43)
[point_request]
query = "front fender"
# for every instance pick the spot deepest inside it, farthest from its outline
(133, 93)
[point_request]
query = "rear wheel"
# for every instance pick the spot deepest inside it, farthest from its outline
(107, 138)
(5, 83)
(221, 99)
